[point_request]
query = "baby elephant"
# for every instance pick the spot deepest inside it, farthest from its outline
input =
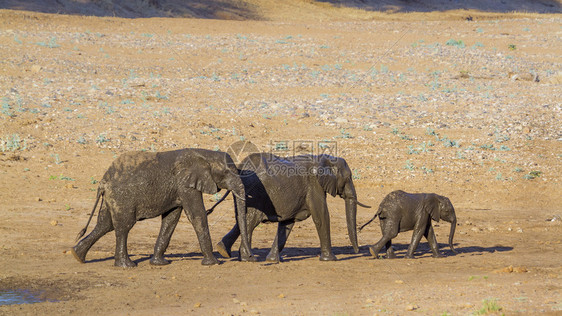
(400, 211)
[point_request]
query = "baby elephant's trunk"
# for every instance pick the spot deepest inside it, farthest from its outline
(452, 234)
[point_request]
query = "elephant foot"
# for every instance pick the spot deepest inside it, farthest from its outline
(409, 256)
(209, 261)
(273, 258)
(125, 263)
(328, 257)
(373, 252)
(221, 248)
(159, 261)
(80, 258)
(247, 258)
(437, 255)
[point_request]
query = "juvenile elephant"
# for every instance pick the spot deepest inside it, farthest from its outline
(141, 185)
(400, 211)
(288, 190)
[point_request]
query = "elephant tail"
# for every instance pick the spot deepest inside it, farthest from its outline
(369, 222)
(209, 211)
(100, 194)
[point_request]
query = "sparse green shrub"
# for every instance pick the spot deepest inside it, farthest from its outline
(409, 165)
(51, 44)
(459, 43)
(12, 143)
(532, 175)
(488, 306)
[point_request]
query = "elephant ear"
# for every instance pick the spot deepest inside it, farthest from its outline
(431, 206)
(327, 176)
(193, 171)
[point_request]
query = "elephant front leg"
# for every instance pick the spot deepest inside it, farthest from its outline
(194, 208)
(321, 219)
(169, 222)
(419, 230)
(433, 245)
(283, 231)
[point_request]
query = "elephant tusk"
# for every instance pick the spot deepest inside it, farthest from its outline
(363, 205)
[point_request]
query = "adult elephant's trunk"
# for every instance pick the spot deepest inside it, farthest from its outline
(351, 217)
(452, 234)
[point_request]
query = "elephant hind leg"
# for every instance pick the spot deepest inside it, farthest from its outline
(121, 235)
(429, 234)
(283, 231)
(103, 226)
(169, 221)
(389, 251)
(224, 246)
(389, 230)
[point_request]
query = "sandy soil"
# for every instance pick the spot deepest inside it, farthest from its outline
(448, 106)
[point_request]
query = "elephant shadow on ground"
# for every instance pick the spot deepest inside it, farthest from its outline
(293, 254)
(424, 251)
(194, 256)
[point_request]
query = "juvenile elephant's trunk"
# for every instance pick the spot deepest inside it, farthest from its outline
(351, 216)
(452, 234)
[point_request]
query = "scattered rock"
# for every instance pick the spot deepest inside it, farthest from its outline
(197, 305)
(38, 199)
(54, 223)
(412, 307)
(281, 295)
(36, 68)
(511, 269)
(524, 76)
(399, 282)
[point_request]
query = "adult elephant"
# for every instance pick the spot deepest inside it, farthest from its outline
(288, 190)
(141, 185)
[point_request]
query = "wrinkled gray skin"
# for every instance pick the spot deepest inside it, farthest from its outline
(141, 185)
(288, 190)
(400, 211)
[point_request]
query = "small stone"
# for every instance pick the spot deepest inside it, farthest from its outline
(399, 282)
(281, 295)
(254, 311)
(38, 199)
(412, 307)
(340, 120)
(520, 270)
(70, 186)
(197, 305)
(235, 301)
(35, 68)
(54, 223)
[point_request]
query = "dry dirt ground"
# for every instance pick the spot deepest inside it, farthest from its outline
(469, 109)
